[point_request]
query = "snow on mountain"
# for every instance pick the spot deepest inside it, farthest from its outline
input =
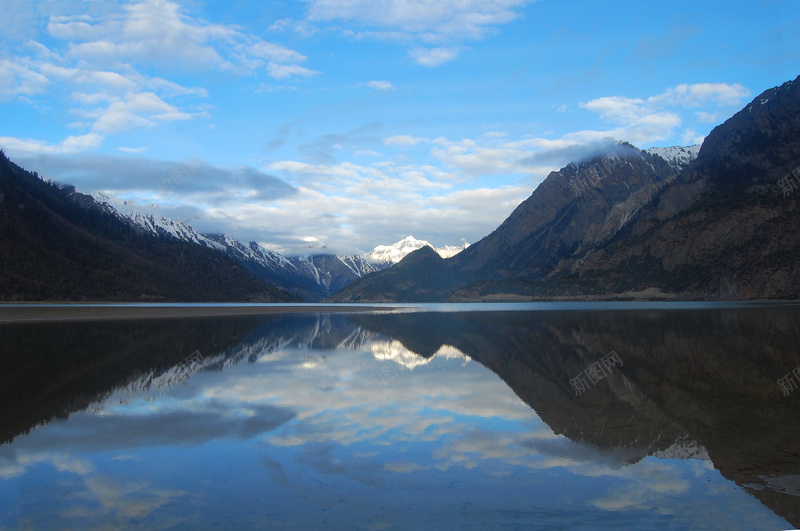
(148, 218)
(333, 272)
(684, 448)
(311, 277)
(252, 252)
(449, 251)
(678, 157)
(387, 255)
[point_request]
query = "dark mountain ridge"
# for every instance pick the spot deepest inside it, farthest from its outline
(57, 244)
(627, 225)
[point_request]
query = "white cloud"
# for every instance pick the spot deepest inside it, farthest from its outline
(621, 109)
(301, 27)
(147, 102)
(169, 88)
(75, 144)
(434, 56)
(152, 30)
(103, 79)
(19, 80)
(280, 71)
(656, 118)
(402, 140)
(430, 19)
(441, 23)
(118, 118)
(100, 47)
(352, 206)
(720, 94)
(380, 85)
(159, 32)
(138, 110)
(491, 158)
(274, 53)
(616, 108)
(132, 150)
(71, 144)
(110, 92)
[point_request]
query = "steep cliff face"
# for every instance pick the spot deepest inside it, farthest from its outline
(726, 227)
(636, 224)
(576, 208)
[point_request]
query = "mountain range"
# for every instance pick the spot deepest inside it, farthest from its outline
(60, 244)
(717, 221)
(312, 277)
(720, 222)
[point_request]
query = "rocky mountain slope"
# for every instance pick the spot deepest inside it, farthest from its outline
(580, 206)
(637, 224)
(57, 244)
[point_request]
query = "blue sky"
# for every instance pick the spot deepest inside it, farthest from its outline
(354, 123)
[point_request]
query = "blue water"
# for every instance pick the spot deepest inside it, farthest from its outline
(333, 422)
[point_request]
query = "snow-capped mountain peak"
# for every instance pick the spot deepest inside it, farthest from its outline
(392, 254)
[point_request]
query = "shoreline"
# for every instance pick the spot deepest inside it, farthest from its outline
(33, 312)
(14, 313)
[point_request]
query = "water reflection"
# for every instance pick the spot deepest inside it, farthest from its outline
(395, 420)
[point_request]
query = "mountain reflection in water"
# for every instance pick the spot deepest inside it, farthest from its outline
(391, 420)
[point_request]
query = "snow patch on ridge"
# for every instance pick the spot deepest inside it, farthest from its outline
(676, 156)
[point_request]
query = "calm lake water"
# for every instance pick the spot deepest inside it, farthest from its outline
(553, 417)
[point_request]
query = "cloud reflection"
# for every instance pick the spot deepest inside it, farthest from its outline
(296, 410)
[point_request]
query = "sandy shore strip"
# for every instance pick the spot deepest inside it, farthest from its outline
(23, 313)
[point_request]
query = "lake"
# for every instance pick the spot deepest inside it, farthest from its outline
(551, 416)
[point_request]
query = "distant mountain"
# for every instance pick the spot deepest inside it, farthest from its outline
(58, 244)
(311, 278)
(638, 224)
(387, 255)
(332, 272)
